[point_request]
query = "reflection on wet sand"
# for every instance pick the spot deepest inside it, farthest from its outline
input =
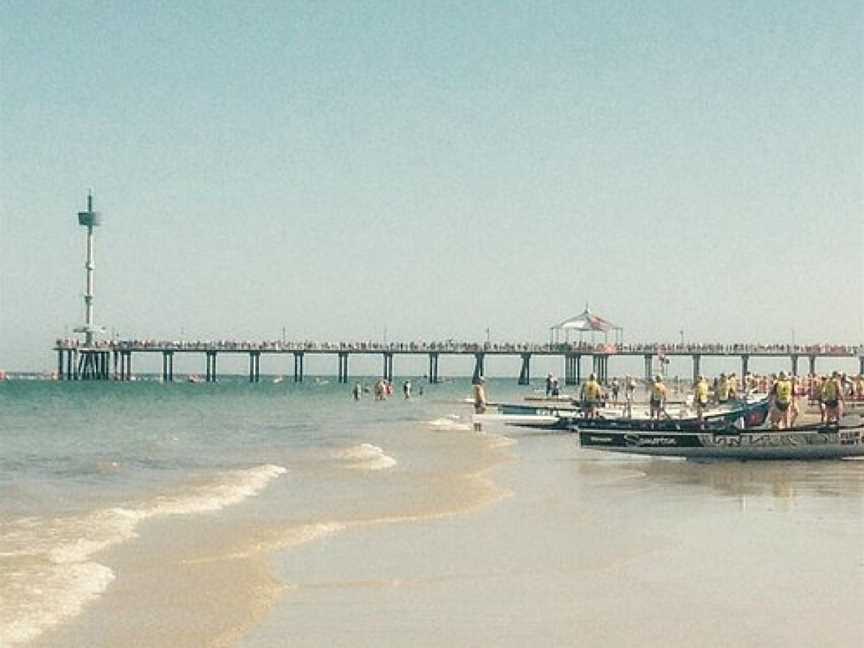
(781, 479)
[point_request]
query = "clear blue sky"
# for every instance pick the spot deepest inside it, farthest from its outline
(435, 168)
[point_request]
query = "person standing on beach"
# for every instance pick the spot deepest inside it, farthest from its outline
(657, 400)
(629, 388)
(591, 394)
(721, 392)
(357, 391)
(700, 396)
(781, 395)
(479, 402)
(406, 389)
(832, 396)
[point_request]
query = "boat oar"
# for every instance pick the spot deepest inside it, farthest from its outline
(669, 417)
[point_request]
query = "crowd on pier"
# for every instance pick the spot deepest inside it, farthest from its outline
(453, 346)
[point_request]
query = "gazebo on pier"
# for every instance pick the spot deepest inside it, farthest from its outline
(586, 322)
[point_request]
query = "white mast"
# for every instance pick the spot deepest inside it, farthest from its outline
(89, 219)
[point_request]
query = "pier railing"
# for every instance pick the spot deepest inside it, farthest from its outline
(654, 348)
(76, 360)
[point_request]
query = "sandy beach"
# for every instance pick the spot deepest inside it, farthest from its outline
(538, 543)
(595, 550)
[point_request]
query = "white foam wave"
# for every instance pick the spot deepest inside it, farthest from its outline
(366, 457)
(46, 571)
(449, 424)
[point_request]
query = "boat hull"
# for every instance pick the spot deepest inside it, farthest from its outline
(821, 443)
(750, 415)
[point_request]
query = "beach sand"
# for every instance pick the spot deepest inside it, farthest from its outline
(595, 549)
(535, 543)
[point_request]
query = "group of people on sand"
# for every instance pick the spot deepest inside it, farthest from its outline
(830, 392)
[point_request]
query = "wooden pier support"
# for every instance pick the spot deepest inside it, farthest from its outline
(167, 366)
(525, 372)
(794, 364)
(433, 368)
(697, 371)
(812, 360)
(211, 367)
(343, 367)
(388, 367)
(745, 366)
(860, 366)
(649, 367)
(572, 369)
(92, 365)
(298, 366)
(479, 367)
(601, 368)
(254, 366)
(125, 365)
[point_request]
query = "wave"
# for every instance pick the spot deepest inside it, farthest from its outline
(449, 424)
(366, 457)
(46, 570)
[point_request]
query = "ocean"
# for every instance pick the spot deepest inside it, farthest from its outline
(233, 514)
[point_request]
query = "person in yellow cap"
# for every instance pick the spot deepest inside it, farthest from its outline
(780, 397)
(591, 394)
(832, 397)
(700, 396)
(722, 392)
(657, 399)
(733, 386)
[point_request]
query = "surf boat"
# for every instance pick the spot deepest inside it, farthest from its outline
(816, 441)
(747, 415)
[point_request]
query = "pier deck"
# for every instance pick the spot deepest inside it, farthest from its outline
(77, 361)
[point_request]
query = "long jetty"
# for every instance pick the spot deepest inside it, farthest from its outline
(112, 360)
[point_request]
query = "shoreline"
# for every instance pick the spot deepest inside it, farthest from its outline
(193, 581)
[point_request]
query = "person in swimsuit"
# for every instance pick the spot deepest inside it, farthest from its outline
(591, 395)
(832, 397)
(479, 402)
(781, 400)
(657, 399)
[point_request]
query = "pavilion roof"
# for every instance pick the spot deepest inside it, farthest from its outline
(587, 321)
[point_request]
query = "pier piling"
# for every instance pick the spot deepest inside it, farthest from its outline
(479, 368)
(525, 372)
(211, 366)
(433, 368)
(388, 366)
(343, 367)
(298, 366)
(572, 369)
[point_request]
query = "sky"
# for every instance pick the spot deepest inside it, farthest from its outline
(430, 170)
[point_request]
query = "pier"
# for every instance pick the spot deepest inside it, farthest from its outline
(78, 360)
(97, 359)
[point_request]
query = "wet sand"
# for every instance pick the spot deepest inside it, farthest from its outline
(537, 543)
(595, 549)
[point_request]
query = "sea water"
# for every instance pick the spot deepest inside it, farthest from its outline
(87, 467)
